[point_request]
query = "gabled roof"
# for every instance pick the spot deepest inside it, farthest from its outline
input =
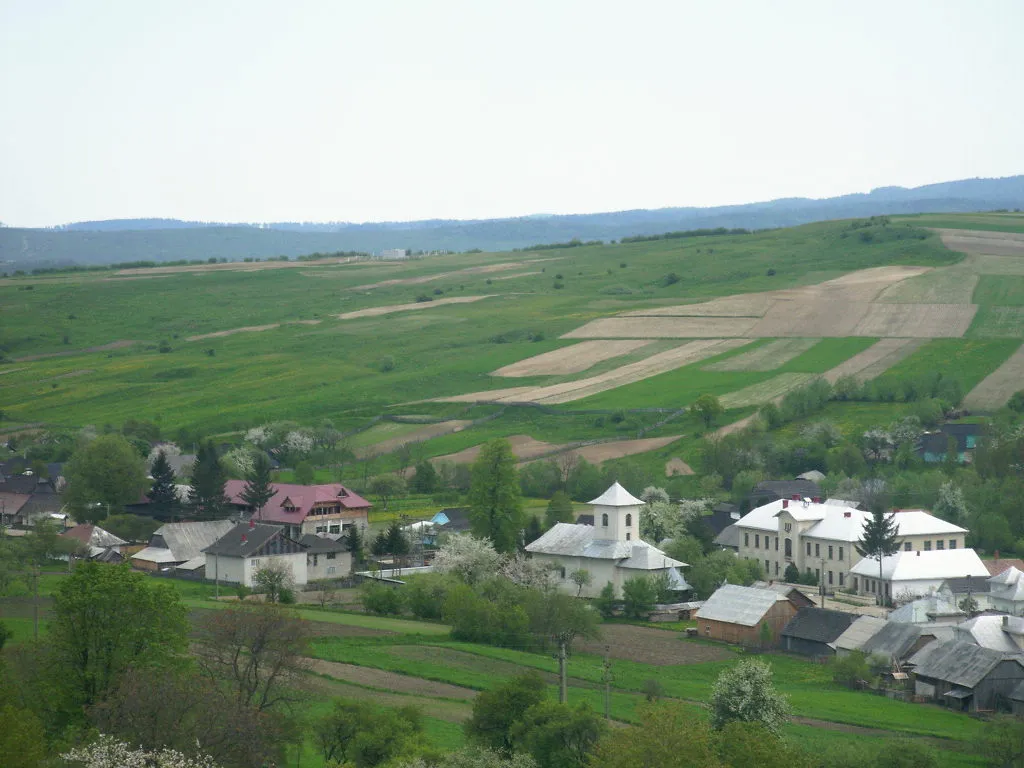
(616, 496)
(818, 625)
(1009, 575)
(986, 631)
(574, 540)
(302, 497)
(11, 503)
(893, 640)
(244, 539)
(179, 542)
(914, 566)
(997, 566)
(925, 609)
(93, 536)
(859, 632)
(785, 489)
(729, 537)
(315, 544)
(739, 605)
(959, 663)
(842, 521)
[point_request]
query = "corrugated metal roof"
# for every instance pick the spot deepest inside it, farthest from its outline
(739, 605)
(244, 539)
(925, 609)
(574, 540)
(818, 624)
(729, 537)
(986, 631)
(959, 663)
(911, 566)
(893, 640)
(859, 632)
(188, 540)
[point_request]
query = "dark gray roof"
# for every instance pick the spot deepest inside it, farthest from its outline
(893, 640)
(958, 662)
(818, 624)
(244, 539)
(722, 516)
(316, 544)
(585, 519)
(958, 586)
(729, 537)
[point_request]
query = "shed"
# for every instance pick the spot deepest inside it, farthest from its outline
(813, 631)
(737, 614)
(896, 641)
(967, 677)
(857, 634)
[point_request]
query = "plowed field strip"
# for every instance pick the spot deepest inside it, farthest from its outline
(766, 391)
(578, 357)
(875, 360)
(996, 388)
(773, 355)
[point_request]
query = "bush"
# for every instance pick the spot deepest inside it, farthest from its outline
(381, 599)
(165, 346)
(639, 595)
(286, 596)
(605, 601)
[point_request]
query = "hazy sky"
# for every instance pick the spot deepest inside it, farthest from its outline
(367, 111)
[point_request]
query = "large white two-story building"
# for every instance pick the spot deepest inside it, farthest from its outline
(820, 537)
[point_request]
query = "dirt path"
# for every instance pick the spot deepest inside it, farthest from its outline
(391, 308)
(71, 352)
(486, 269)
(391, 681)
(250, 329)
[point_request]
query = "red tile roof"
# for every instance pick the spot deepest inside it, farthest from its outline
(995, 567)
(302, 497)
(12, 502)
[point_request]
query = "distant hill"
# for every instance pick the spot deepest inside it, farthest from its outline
(121, 240)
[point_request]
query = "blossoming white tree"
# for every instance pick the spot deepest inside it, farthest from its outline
(108, 752)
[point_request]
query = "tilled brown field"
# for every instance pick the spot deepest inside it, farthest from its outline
(652, 646)
(982, 241)
(390, 681)
(578, 357)
(412, 307)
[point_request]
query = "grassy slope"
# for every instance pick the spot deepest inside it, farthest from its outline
(968, 360)
(994, 222)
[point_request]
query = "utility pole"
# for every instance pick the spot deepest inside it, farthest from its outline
(970, 605)
(607, 677)
(35, 602)
(563, 694)
(821, 583)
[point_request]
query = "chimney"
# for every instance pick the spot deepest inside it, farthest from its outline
(847, 514)
(795, 497)
(1006, 621)
(816, 499)
(243, 538)
(785, 503)
(996, 555)
(252, 523)
(919, 553)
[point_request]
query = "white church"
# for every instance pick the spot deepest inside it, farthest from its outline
(611, 549)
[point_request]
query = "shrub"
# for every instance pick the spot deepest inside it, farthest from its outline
(670, 279)
(605, 602)
(639, 595)
(381, 599)
(164, 347)
(423, 297)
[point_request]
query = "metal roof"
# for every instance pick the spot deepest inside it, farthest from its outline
(184, 541)
(893, 640)
(573, 540)
(617, 496)
(93, 536)
(739, 605)
(960, 663)
(818, 624)
(859, 632)
(986, 631)
(925, 609)
(912, 566)
(729, 537)
(244, 539)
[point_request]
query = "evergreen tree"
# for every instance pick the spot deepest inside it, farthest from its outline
(560, 510)
(496, 507)
(532, 532)
(206, 496)
(878, 540)
(162, 495)
(355, 544)
(397, 542)
(258, 489)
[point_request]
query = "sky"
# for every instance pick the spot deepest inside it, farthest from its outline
(386, 110)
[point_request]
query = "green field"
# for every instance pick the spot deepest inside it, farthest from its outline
(967, 360)
(994, 222)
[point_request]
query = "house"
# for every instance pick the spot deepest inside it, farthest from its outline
(993, 632)
(303, 509)
(999, 564)
(180, 545)
(961, 588)
(937, 608)
(744, 615)
(722, 516)
(967, 677)
(798, 596)
(611, 549)
(820, 537)
(813, 631)
(897, 642)
(857, 634)
(28, 498)
(238, 555)
(11, 504)
(1006, 591)
(326, 557)
(768, 491)
(100, 543)
(910, 574)
(932, 446)
(452, 520)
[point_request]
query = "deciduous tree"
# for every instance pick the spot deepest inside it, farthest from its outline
(558, 736)
(104, 474)
(560, 510)
(708, 408)
(745, 693)
(496, 510)
(496, 711)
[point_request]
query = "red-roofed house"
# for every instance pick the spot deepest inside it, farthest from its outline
(303, 509)
(998, 565)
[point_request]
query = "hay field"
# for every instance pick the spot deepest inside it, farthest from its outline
(663, 328)
(975, 241)
(875, 360)
(998, 323)
(662, 362)
(411, 307)
(768, 357)
(930, 321)
(765, 391)
(945, 285)
(574, 359)
(995, 389)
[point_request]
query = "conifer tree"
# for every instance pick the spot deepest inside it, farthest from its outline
(355, 544)
(878, 540)
(495, 504)
(206, 496)
(560, 510)
(163, 495)
(258, 489)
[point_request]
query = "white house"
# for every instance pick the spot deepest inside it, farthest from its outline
(611, 549)
(1006, 591)
(238, 555)
(820, 537)
(326, 557)
(914, 573)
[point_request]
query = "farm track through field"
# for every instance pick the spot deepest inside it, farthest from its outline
(411, 307)
(250, 329)
(486, 269)
(72, 352)
(996, 389)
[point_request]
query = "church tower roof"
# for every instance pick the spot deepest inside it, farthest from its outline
(617, 496)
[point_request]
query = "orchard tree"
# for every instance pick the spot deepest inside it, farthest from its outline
(558, 736)
(496, 507)
(666, 735)
(104, 474)
(497, 710)
(387, 487)
(745, 693)
(468, 558)
(258, 489)
(273, 580)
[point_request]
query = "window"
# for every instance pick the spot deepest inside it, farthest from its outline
(776, 568)
(776, 543)
(952, 543)
(829, 551)
(817, 550)
(335, 529)
(255, 561)
(808, 549)
(854, 583)
(757, 541)
(561, 572)
(321, 529)
(840, 556)
(767, 567)
(316, 559)
(928, 546)
(629, 536)
(332, 555)
(330, 569)
(940, 544)
(707, 629)
(789, 527)
(830, 577)
(629, 520)
(604, 520)
(841, 578)
(906, 546)
(746, 539)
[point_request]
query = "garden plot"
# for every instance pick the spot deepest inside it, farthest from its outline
(578, 357)
(875, 360)
(996, 389)
(663, 328)
(978, 241)
(765, 391)
(928, 321)
(391, 308)
(772, 355)
(662, 362)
